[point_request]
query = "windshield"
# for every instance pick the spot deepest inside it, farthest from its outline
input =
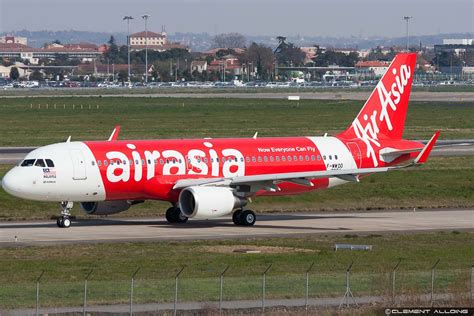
(28, 163)
(37, 162)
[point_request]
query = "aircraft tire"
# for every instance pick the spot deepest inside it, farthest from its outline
(236, 217)
(247, 218)
(173, 216)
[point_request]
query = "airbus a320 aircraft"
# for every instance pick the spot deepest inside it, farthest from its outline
(209, 178)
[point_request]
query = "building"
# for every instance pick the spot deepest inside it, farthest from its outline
(9, 39)
(372, 67)
(82, 51)
(156, 41)
(138, 40)
(229, 63)
(199, 66)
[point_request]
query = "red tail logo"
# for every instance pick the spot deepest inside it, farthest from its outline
(384, 113)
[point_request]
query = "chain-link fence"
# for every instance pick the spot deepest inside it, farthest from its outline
(238, 287)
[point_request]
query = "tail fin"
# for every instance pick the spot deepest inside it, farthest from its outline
(384, 113)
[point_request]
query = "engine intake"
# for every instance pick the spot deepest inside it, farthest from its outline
(105, 208)
(208, 202)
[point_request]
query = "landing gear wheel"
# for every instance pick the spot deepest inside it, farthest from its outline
(64, 221)
(235, 217)
(247, 218)
(174, 215)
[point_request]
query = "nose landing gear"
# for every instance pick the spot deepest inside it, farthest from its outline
(64, 221)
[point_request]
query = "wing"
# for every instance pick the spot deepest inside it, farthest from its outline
(269, 181)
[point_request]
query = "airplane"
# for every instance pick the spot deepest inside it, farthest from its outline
(209, 178)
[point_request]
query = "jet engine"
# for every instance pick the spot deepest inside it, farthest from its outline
(208, 202)
(106, 207)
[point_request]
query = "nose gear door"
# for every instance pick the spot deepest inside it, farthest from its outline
(78, 165)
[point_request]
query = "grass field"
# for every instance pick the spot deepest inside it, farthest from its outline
(24, 124)
(66, 266)
(442, 182)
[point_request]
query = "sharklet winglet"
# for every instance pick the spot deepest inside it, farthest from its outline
(115, 133)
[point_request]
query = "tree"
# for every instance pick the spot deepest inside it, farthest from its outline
(261, 57)
(14, 73)
(288, 54)
(330, 57)
(229, 40)
(112, 51)
(36, 75)
(123, 75)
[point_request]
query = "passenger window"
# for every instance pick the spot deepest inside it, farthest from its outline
(313, 158)
(319, 157)
(161, 161)
(105, 163)
(259, 158)
(307, 158)
(301, 158)
(241, 159)
(28, 163)
(49, 163)
(143, 161)
(283, 158)
(40, 163)
(136, 162)
(289, 158)
(98, 162)
(324, 157)
(93, 162)
(124, 162)
(271, 158)
(247, 159)
(111, 162)
(265, 158)
(330, 157)
(254, 159)
(149, 161)
(335, 157)
(277, 158)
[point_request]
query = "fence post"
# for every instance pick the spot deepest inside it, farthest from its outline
(394, 272)
(131, 291)
(433, 268)
(85, 292)
(472, 285)
(37, 292)
(348, 294)
(176, 290)
(263, 286)
(222, 289)
(307, 286)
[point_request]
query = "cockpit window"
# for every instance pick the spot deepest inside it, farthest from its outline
(28, 163)
(40, 163)
(49, 163)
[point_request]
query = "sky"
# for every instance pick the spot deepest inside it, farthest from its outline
(336, 18)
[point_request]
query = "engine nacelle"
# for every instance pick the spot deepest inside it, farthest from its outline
(208, 202)
(106, 207)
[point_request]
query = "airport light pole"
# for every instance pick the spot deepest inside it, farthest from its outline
(128, 18)
(407, 19)
(146, 17)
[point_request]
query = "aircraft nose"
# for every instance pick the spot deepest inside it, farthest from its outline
(11, 183)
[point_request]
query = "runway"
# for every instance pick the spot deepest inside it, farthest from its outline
(268, 225)
(457, 147)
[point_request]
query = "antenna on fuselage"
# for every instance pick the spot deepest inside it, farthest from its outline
(68, 140)
(255, 135)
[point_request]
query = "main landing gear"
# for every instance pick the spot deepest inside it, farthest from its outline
(175, 216)
(64, 221)
(244, 218)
